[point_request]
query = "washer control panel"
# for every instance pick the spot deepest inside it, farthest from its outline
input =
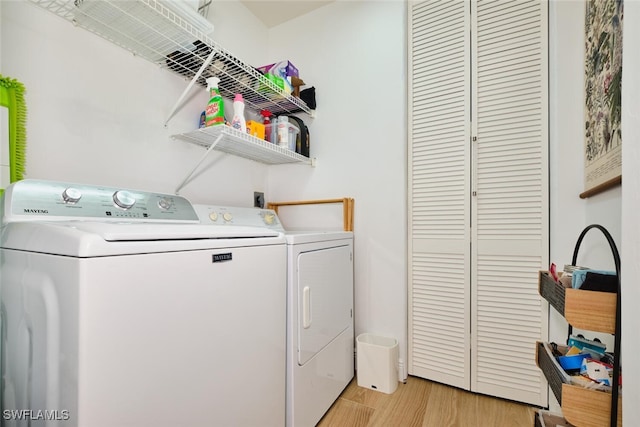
(47, 200)
(247, 217)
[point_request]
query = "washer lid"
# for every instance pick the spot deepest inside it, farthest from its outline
(87, 239)
(118, 232)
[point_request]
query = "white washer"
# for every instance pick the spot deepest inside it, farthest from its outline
(120, 309)
(320, 335)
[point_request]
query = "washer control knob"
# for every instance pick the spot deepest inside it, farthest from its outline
(124, 199)
(71, 195)
(213, 216)
(227, 216)
(165, 203)
(269, 218)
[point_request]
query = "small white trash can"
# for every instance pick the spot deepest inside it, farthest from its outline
(377, 362)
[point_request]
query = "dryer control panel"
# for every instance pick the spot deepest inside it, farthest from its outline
(248, 217)
(31, 200)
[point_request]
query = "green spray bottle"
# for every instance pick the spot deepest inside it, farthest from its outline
(214, 113)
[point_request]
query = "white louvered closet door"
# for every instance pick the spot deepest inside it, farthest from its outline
(510, 211)
(439, 165)
(478, 194)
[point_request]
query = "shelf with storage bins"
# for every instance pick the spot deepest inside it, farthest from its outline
(594, 311)
(590, 310)
(173, 36)
(229, 140)
(580, 406)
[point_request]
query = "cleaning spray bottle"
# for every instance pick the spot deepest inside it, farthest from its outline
(266, 116)
(214, 114)
(238, 121)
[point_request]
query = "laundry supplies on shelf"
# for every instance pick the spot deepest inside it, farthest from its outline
(214, 114)
(238, 122)
(287, 133)
(268, 126)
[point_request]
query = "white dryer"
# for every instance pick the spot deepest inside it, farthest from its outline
(120, 309)
(320, 337)
(320, 333)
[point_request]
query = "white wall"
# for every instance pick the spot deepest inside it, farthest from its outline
(239, 31)
(4, 132)
(630, 208)
(96, 113)
(0, 33)
(353, 53)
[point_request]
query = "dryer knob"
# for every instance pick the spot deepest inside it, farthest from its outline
(269, 219)
(71, 195)
(227, 216)
(124, 199)
(213, 216)
(165, 203)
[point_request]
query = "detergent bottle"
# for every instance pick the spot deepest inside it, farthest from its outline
(239, 121)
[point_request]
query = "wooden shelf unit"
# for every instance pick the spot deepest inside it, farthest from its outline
(588, 408)
(581, 407)
(594, 311)
(590, 310)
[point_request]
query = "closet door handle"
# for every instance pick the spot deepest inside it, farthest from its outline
(474, 166)
(306, 307)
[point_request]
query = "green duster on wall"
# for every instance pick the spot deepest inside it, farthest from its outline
(12, 98)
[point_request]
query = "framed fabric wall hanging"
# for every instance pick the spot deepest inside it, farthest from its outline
(603, 95)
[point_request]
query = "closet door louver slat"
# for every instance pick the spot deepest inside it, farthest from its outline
(510, 210)
(439, 162)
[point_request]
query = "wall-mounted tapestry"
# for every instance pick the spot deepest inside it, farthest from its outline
(603, 94)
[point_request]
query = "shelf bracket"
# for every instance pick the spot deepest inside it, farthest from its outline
(190, 174)
(193, 81)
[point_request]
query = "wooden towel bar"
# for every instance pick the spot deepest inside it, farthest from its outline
(347, 208)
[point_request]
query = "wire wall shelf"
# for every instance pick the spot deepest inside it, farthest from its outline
(175, 37)
(232, 141)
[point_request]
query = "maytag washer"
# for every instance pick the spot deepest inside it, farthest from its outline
(119, 308)
(320, 337)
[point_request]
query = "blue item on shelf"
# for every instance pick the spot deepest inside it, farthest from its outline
(573, 362)
(583, 343)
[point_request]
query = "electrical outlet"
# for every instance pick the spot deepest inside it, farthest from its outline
(258, 199)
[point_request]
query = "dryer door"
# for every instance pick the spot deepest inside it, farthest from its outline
(325, 298)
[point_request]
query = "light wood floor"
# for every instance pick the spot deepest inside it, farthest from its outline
(424, 403)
